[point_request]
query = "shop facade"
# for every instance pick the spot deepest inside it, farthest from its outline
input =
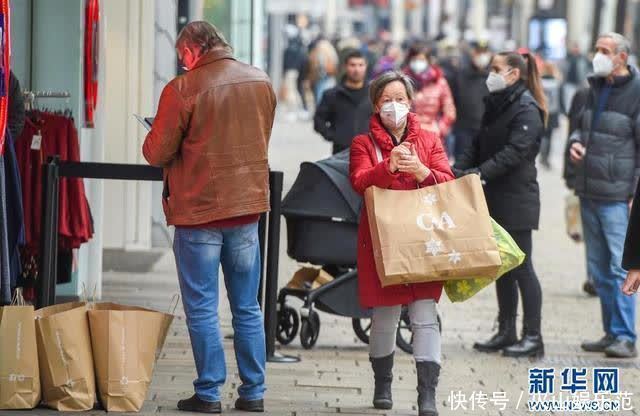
(135, 60)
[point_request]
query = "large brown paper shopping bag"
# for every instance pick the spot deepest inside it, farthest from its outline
(442, 232)
(126, 343)
(19, 373)
(66, 359)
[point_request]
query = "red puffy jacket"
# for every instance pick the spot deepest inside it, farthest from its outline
(365, 171)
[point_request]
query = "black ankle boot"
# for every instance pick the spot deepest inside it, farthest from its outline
(428, 374)
(531, 344)
(383, 375)
(505, 337)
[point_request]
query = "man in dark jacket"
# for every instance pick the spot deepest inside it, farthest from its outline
(344, 110)
(605, 149)
(469, 92)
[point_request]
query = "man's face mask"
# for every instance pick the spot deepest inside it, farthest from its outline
(482, 60)
(603, 65)
(187, 59)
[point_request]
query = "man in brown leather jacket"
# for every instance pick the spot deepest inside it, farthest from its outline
(210, 135)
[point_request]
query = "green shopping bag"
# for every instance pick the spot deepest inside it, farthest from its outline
(511, 256)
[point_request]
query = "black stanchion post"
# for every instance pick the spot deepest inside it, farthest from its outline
(262, 236)
(53, 281)
(48, 238)
(271, 280)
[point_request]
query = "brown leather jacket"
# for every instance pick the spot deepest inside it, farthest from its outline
(211, 135)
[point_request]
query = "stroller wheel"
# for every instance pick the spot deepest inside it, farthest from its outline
(404, 336)
(288, 323)
(310, 330)
(362, 328)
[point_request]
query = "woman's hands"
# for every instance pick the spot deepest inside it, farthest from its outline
(410, 162)
(396, 156)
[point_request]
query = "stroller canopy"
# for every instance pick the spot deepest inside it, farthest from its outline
(323, 190)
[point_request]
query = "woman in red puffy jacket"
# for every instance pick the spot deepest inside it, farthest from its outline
(433, 102)
(397, 154)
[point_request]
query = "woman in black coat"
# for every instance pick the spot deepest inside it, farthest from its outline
(504, 155)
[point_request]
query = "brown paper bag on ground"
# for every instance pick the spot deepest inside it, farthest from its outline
(303, 276)
(66, 360)
(322, 279)
(126, 343)
(19, 372)
(441, 232)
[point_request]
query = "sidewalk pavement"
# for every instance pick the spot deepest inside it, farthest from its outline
(335, 377)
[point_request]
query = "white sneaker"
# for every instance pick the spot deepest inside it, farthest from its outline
(304, 115)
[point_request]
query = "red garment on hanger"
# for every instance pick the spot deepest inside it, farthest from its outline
(59, 137)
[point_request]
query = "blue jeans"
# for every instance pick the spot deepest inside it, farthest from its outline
(199, 253)
(605, 227)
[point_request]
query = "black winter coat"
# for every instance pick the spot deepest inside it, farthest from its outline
(16, 116)
(611, 166)
(505, 153)
(343, 114)
(469, 92)
(575, 115)
(631, 256)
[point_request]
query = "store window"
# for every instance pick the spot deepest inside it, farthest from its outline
(233, 18)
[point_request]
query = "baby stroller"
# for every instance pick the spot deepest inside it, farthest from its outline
(322, 211)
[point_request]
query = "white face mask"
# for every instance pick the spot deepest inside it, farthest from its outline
(602, 65)
(393, 114)
(418, 66)
(482, 61)
(496, 82)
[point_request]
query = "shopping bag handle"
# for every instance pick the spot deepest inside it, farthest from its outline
(84, 296)
(18, 298)
(175, 300)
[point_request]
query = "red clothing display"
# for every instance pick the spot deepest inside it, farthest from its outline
(365, 171)
(58, 137)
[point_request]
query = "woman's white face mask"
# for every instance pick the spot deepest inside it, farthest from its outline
(497, 82)
(393, 114)
(418, 66)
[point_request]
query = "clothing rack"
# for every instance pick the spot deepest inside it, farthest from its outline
(30, 96)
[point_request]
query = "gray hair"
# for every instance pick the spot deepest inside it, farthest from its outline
(379, 84)
(622, 43)
(203, 35)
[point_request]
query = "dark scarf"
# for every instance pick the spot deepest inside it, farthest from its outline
(496, 103)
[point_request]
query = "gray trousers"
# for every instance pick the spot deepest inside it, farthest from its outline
(424, 324)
